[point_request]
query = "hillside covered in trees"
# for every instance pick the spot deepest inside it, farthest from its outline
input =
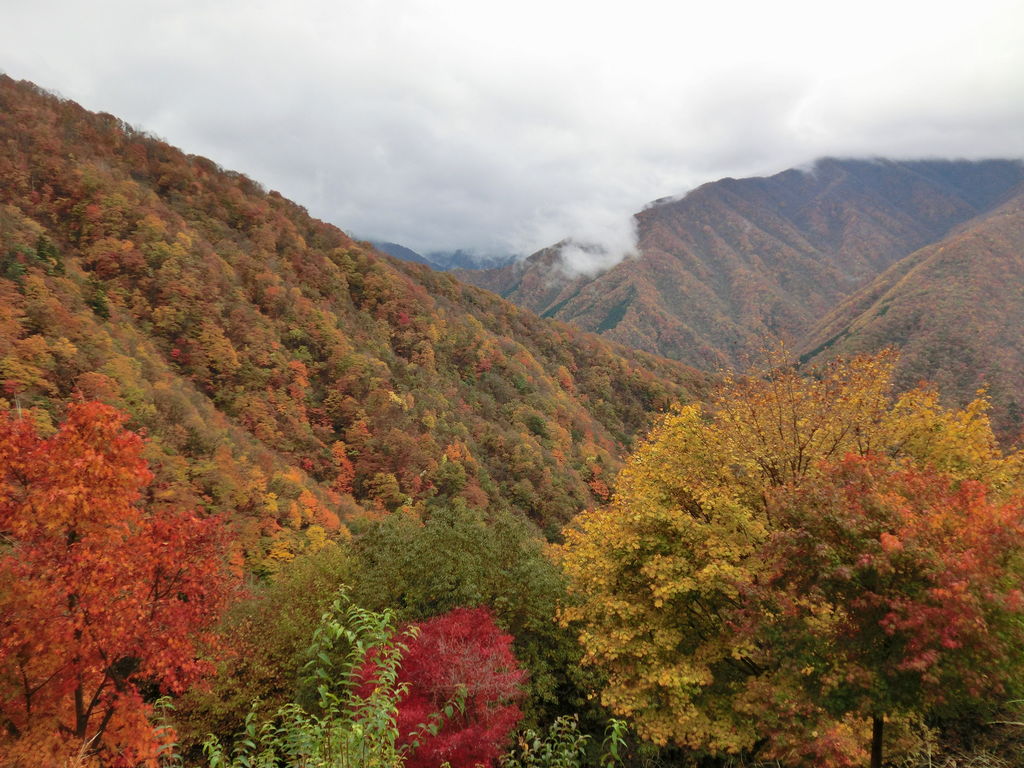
(282, 371)
(954, 308)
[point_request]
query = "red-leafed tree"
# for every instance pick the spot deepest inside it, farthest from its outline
(890, 590)
(461, 655)
(102, 602)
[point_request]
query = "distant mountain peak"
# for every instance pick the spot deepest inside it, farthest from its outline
(733, 261)
(403, 253)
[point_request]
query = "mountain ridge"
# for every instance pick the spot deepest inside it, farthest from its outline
(738, 260)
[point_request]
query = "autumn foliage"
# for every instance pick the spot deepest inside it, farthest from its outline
(459, 659)
(810, 556)
(104, 602)
(892, 587)
(288, 377)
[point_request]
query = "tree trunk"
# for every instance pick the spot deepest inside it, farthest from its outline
(877, 722)
(81, 719)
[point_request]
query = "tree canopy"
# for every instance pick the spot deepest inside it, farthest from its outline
(461, 661)
(104, 602)
(678, 584)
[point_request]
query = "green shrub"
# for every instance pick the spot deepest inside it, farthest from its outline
(344, 728)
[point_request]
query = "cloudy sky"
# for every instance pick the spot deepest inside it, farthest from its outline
(503, 127)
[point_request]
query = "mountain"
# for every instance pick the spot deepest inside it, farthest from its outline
(739, 260)
(462, 259)
(443, 260)
(403, 253)
(295, 380)
(954, 308)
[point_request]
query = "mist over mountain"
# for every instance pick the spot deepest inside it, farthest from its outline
(737, 261)
(444, 260)
(462, 259)
(806, 256)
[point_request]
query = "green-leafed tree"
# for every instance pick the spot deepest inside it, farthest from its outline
(458, 559)
(266, 636)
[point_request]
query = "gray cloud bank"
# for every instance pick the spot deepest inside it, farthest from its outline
(503, 128)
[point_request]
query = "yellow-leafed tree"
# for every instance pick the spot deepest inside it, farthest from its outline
(661, 578)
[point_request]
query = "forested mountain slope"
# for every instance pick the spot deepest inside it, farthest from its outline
(736, 261)
(955, 309)
(285, 373)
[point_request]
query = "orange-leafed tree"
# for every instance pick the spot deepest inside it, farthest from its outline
(104, 604)
(888, 590)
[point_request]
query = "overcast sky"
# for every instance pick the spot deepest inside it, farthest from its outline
(508, 126)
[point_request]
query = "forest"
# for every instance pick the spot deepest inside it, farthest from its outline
(271, 498)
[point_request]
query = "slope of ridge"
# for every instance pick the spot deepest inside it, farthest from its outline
(735, 261)
(287, 375)
(955, 309)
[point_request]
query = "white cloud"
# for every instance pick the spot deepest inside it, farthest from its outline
(598, 243)
(444, 125)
